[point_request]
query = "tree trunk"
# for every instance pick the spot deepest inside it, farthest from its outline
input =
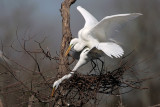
(63, 67)
(66, 32)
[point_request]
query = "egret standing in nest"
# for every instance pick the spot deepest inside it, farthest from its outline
(94, 37)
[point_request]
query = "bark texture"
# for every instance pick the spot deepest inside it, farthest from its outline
(66, 32)
(63, 67)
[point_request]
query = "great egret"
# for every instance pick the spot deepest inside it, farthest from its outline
(96, 34)
(93, 39)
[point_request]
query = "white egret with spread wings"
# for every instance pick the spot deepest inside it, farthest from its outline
(94, 36)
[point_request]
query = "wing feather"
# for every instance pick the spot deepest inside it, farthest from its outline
(111, 49)
(109, 24)
(90, 20)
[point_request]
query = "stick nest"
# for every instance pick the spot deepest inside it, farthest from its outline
(81, 89)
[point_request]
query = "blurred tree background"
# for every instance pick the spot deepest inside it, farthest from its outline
(42, 19)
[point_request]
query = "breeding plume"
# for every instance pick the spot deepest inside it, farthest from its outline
(93, 39)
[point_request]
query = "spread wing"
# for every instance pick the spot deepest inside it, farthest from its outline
(109, 24)
(111, 49)
(89, 19)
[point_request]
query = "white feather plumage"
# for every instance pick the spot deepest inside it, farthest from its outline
(94, 37)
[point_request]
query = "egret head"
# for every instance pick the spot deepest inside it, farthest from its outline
(55, 86)
(71, 45)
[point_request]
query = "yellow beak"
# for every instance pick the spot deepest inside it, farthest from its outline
(69, 48)
(53, 92)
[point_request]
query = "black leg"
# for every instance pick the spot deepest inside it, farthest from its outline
(93, 66)
(98, 66)
(102, 65)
